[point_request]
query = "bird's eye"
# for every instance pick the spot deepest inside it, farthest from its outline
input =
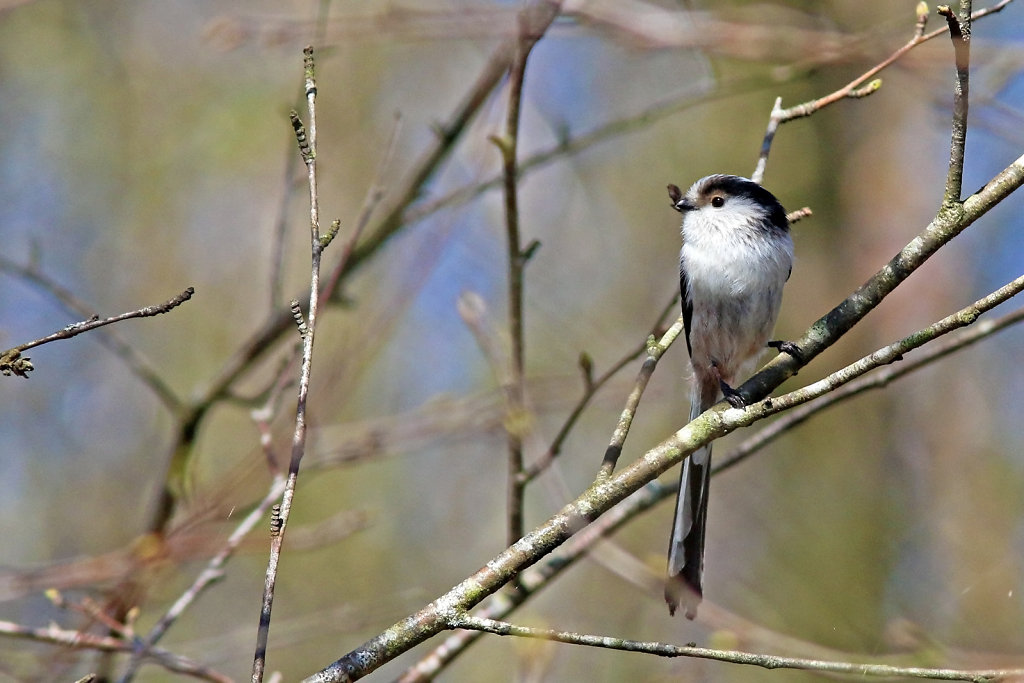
(718, 201)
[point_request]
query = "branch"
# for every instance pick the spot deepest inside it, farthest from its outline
(877, 380)
(960, 34)
(12, 363)
(605, 493)
(655, 350)
(502, 628)
(528, 36)
(947, 224)
(88, 641)
(308, 149)
(592, 386)
(861, 87)
(884, 356)
(280, 321)
(541, 575)
(213, 572)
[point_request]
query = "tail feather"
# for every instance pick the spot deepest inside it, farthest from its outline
(686, 548)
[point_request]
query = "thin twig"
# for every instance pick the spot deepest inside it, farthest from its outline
(860, 87)
(12, 362)
(566, 146)
(503, 628)
(590, 389)
(655, 349)
(279, 322)
(213, 572)
(531, 28)
(308, 149)
(136, 362)
(372, 200)
(319, 30)
(889, 354)
(87, 641)
(877, 380)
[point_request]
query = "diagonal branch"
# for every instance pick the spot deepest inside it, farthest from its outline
(861, 87)
(12, 362)
(541, 575)
(604, 494)
(503, 628)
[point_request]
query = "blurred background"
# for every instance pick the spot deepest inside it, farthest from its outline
(145, 147)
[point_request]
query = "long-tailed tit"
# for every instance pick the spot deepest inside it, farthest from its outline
(737, 255)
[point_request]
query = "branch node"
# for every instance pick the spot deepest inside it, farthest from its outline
(587, 368)
(300, 321)
(955, 29)
(11, 363)
(331, 234)
(922, 19)
(309, 70)
(275, 520)
(866, 90)
(503, 143)
(799, 214)
(300, 137)
(530, 250)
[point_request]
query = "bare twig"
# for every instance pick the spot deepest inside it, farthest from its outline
(503, 628)
(693, 95)
(308, 149)
(590, 389)
(12, 362)
(121, 349)
(280, 321)
(88, 641)
(316, 37)
(894, 352)
(860, 87)
(655, 349)
(960, 34)
(533, 22)
(876, 380)
(372, 200)
(654, 492)
(212, 573)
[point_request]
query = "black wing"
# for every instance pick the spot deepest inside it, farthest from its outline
(687, 306)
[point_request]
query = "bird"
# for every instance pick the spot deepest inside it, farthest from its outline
(736, 256)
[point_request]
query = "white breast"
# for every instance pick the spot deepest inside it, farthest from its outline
(735, 274)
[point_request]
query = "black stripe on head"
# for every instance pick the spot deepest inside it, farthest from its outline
(736, 186)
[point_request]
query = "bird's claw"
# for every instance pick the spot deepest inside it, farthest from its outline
(734, 397)
(789, 348)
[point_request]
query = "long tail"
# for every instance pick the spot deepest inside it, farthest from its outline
(686, 548)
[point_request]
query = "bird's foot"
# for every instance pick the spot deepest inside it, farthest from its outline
(734, 397)
(789, 348)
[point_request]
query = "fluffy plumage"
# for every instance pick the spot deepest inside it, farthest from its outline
(736, 256)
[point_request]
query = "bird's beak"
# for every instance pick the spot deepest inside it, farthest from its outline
(679, 202)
